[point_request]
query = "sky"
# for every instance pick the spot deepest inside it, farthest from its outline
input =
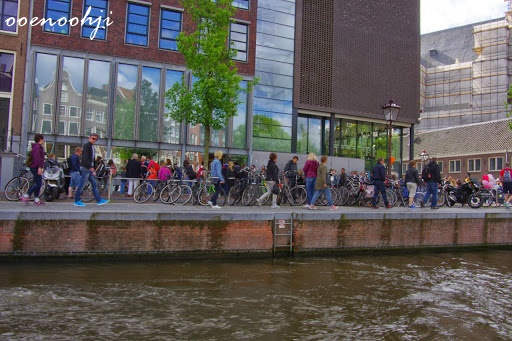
(437, 15)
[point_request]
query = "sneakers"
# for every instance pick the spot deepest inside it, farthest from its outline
(24, 199)
(389, 206)
(507, 205)
(209, 203)
(258, 202)
(306, 206)
(434, 207)
(39, 203)
(313, 207)
(412, 206)
(274, 206)
(79, 203)
(333, 208)
(103, 202)
(216, 206)
(375, 207)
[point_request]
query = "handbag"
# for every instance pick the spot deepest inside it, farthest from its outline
(275, 189)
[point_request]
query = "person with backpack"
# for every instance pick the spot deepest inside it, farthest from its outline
(431, 174)
(506, 180)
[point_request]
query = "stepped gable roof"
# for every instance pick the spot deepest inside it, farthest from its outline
(478, 138)
(450, 45)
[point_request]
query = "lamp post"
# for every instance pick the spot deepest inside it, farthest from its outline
(424, 157)
(391, 111)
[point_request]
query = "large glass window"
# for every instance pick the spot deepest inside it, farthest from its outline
(238, 34)
(58, 11)
(171, 129)
(124, 117)
(44, 92)
(95, 27)
(8, 10)
(495, 164)
(149, 104)
(170, 28)
(72, 82)
(137, 24)
(240, 121)
(6, 70)
(97, 97)
(309, 135)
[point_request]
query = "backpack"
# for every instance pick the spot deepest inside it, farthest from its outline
(506, 176)
(426, 173)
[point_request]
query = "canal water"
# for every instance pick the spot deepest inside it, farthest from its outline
(421, 296)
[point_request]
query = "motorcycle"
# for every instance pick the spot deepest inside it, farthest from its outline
(466, 193)
(53, 179)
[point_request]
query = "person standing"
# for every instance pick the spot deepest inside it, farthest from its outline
(323, 185)
(310, 170)
(271, 178)
(36, 168)
(133, 173)
(433, 180)
(379, 176)
(343, 178)
(87, 172)
(217, 178)
(290, 171)
(412, 181)
(506, 180)
(74, 171)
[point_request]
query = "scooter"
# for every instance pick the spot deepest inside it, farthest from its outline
(53, 179)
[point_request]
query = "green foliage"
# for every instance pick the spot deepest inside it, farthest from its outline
(507, 105)
(124, 118)
(148, 127)
(213, 98)
(269, 135)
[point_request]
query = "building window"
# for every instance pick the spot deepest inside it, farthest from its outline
(6, 70)
(64, 97)
(170, 28)
(46, 127)
(58, 11)
(62, 127)
(243, 4)
(63, 110)
(137, 24)
(75, 112)
(74, 128)
(48, 109)
(8, 10)
(474, 165)
(440, 164)
(238, 40)
(97, 12)
(100, 117)
(454, 166)
(495, 164)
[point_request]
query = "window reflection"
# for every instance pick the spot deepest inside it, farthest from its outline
(55, 10)
(124, 117)
(171, 128)
(8, 10)
(240, 121)
(6, 70)
(149, 104)
(309, 135)
(97, 9)
(72, 81)
(96, 106)
(43, 100)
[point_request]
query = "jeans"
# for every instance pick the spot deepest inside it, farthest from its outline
(86, 174)
(310, 188)
(431, 190)
(379, 187)
(216, 194)
(38, 182)
(327, 192)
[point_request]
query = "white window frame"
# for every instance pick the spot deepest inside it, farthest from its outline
(101, 115)
(42, 124)
(64, 96)
(473, 169)
(441, 166)
(65, 110)
(78, 112)
(452, 166)
(44, 109)
(90, 112)
(64, 130)
(496, 163)
(77, 126)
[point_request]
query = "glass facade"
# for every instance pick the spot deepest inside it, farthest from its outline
(149, 104)
(171, 129)
(95, 27)
(96, 106)
(272, 114)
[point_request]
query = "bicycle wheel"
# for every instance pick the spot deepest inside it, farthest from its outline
(287, 193)
(185, 194)
(206, 192)
(143, 192)
(15, 188)
(87, 195)
(343, 196)
(165, 194)
(299, 195)
(158, 190)
(233, 195)
(248, 196)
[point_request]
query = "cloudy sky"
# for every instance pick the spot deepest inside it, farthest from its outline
(438, 15)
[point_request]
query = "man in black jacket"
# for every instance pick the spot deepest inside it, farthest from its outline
(378, 177)
(290, 171)
(432, 183)
(87, 172)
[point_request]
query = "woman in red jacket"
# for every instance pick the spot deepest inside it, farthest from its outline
(310, 170)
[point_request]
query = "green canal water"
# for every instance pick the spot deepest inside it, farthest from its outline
(425, 296)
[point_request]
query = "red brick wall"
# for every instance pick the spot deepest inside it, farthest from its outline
(246, 236)
(115, 46)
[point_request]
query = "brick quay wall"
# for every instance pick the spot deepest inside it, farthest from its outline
(130, 229)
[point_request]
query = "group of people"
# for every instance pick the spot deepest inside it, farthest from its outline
(82, 170)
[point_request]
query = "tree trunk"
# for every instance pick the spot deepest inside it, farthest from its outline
(206, 157)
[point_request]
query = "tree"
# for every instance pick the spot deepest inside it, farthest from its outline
(148, 128)
(213, 97)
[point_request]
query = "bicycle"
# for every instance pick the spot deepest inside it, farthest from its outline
(176, 191)
(236, 192)
(144, 191)
(206, 192)
(255, 190)
(20, 184)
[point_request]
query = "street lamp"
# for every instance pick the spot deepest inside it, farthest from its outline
(391, 111)
(424, 157)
